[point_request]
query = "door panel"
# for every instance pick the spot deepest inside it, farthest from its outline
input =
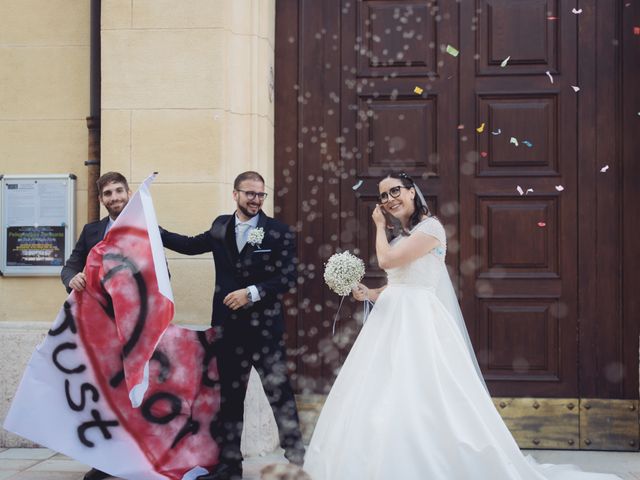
(520, 291)
(539, 272)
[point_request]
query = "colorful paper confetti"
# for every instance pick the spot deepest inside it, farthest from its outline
(461, 127)
(552, 18)
(604, 169)
(542, 224)
(575, 89)
(483, 154)
(357, 185)
(527, 143)
(575, 11)
(497, 132)
(505, 61)
(418, 90)
(480, 129)
(514, 140)
(559, 188)
(549, 75)
(520, 191)
(636, 30)
(452, 51)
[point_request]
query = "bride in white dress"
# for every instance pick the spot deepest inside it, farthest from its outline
(409, 402)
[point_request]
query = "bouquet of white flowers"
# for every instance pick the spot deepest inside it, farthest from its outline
(342, 272)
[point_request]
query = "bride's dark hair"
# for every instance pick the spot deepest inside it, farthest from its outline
(394, 227)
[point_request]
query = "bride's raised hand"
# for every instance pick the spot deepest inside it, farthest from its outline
(360, 292)
(378, 217)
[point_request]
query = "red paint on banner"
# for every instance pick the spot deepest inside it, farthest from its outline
(121, 304)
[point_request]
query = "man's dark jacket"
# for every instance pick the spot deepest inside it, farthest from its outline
(92, 234)
(270, 266)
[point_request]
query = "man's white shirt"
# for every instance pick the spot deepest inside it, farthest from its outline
(242, 233)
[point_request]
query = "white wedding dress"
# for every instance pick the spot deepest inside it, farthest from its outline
(409, 404)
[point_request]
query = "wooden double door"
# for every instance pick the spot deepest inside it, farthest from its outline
(514, 118)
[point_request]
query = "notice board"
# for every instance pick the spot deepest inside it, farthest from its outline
(37, 215)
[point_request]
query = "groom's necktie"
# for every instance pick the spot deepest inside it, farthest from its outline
(241, 235)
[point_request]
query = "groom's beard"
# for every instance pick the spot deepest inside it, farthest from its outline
(247, 212)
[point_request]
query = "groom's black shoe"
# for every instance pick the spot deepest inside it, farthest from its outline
(224, 471)
(95, 474)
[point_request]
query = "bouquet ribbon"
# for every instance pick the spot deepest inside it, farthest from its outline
(368, 305)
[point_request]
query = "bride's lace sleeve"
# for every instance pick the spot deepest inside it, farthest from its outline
(432, 226)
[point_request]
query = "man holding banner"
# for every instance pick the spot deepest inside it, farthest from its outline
(114, 194)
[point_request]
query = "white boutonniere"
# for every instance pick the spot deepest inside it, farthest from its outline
(255, 236)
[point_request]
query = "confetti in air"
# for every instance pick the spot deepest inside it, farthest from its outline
(497, 132)
(636, 30)
(604, 169)
(418, 90)
(542, 224)
(549, 75)
(527, 143)
(529, 190)
(514, 140)
(461, 127)
(452, 51)
(483, 154)
(559, 188)
(552, 18)
(575, 11)
(575, 89)
(357, 185)
(480, 129)
(505, 61)
(520, 191)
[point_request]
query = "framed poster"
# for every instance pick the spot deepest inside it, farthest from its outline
(37, 216)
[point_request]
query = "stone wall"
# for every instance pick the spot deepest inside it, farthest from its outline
(44, 102)
(186, 93)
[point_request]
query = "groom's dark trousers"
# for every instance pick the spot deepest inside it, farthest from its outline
(252, 335)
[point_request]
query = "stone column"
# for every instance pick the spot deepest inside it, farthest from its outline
(186, 92)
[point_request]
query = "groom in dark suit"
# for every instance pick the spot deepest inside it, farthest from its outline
(255, 263)
(113, 194)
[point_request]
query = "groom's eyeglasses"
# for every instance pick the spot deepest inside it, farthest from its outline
(393, 193)
(251, 195)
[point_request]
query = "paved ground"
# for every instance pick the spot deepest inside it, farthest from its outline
(44, 464)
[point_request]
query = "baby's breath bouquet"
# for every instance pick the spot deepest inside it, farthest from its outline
(342, 272)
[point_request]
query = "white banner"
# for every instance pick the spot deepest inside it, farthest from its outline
(113, 384)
